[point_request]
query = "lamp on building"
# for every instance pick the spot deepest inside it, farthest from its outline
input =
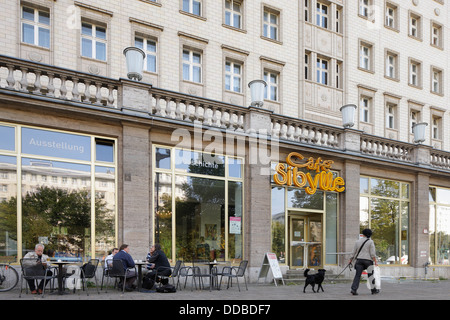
(419, 132)
(257, 92)
(135, 62)
(348, 115)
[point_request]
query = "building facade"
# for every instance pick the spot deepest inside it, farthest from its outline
(182, 157)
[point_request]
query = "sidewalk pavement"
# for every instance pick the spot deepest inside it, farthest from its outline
(260, 300)
(390, 290)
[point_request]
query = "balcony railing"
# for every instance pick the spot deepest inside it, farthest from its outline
(62, 84)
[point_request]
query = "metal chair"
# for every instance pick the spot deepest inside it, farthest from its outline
(89, 271)
(174, 272)
(184, 272)
(106, 266)
(222, 270)
(34, 272)
(237, 272)
(200, 273)
(119, 272)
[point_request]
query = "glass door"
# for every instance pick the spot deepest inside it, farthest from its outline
(297, 237)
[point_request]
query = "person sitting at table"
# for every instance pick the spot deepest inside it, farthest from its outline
(37, 258)
(159, 264)
(128, 262)
(110, 257)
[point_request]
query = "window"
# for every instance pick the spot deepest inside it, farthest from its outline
(233, 13)
(364, 8)
(233, 76)
(149, 47)
(322, 71)
(436, 35)
(436, 127)
(339, 20)
(436, 81)
(271, 91)
(391, 16)
(365, 56)
(413, 119)
(390, 115)
(439, 226)
(192, 66)
(364, 106)
(307, 10)
(415, 73)
(322, 15)
(391, 64)
(271, 25)
(193, 6)
(415, 27)
(339, 75)
(385, 208)
(308, 65)
(36, 27)
(93, 41)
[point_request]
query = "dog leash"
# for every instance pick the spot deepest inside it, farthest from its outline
(349, 266)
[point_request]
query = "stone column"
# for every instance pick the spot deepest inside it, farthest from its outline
(257, 189)
(135, 218)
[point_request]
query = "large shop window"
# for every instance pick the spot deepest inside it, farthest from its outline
(384, 208)
(67, 194)
(198, 205)
(439, 226)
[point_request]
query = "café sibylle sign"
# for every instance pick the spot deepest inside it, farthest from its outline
(290, 174)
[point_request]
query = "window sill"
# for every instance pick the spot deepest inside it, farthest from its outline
(192, 15)
(233, 28)
(272, 40)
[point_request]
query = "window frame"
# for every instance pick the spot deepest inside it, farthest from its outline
(192, 64)
(233, 12)
(37, 25)
(94, 40)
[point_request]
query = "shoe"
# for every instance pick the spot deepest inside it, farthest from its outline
(354, 293)
(34, 292)
(375, 291)
(129, 289)
(40, 291)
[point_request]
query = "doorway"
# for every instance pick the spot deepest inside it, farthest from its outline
(305, 240)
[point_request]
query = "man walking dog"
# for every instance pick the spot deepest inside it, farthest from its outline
(364, 254)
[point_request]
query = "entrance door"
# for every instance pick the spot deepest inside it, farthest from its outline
(297, 236)
(305, 241)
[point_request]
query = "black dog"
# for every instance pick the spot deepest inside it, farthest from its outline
(314, 279)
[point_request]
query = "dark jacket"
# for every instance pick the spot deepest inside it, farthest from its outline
(160, 260)
(126, 258)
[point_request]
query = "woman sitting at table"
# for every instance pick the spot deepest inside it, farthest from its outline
(159, 264)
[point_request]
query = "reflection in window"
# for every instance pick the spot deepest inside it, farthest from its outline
(105, 205)
(386, 211)
(235, 223)
(104, 150)
(199, 224)
(201, 163)
(439, 227)
(163, 211)
(278, 223)
(8, 209)
(54, 214)
(163, 158)
(7, 140)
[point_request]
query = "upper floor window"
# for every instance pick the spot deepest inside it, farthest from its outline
(365, 103)
(415, 73)
(233, 13)
(93, 41)
(365, 56)
(149, 47)
(192, 66)
(436, 127)
(271, 25)
(390, 115)
(36, 27)
(233, 76)
(322, 71)
(364, 8)
(415, 26)
(322, 15)
(271, 90)
(413, 120)
(391, 16)
(391, 65)
(436, 35)
(193, 6)
(436, 81)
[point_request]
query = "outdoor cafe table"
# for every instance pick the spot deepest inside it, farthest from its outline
(60, 265)
(211, 264)
(139, 264)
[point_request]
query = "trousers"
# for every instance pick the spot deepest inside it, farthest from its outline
(360, 266)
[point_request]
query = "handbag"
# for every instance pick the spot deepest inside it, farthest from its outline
(377, 276)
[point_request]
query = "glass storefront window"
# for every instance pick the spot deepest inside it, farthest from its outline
(439, 226)
(8, 209)
(7, 140)
(55, 193)
(278, 223)
(385, 208)
(198, 208)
